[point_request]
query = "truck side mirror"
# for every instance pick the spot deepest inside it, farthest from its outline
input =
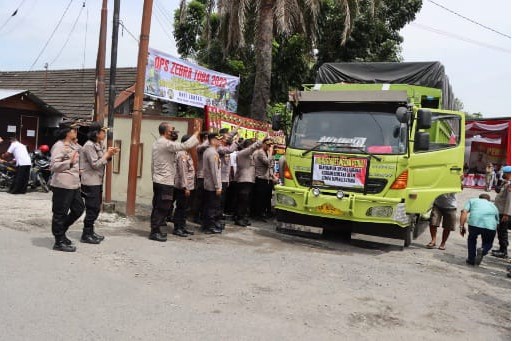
(424, 119)
(276, 122)
(421, 141)
(403, 115)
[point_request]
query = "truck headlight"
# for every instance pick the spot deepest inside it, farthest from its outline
(316, 192)
(340, 194)
(285, 200)
(380, 211)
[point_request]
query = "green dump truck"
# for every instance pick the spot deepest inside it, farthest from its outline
(370, 148)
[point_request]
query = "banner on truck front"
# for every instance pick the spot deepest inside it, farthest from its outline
(173, 79)
(339, 171)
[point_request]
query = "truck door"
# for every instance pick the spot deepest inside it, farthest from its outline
(439, 169)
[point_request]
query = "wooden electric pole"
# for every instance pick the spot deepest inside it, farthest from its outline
(111, 100)
(137, 107)
(99, 98)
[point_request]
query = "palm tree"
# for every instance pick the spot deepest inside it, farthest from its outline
(273, 17)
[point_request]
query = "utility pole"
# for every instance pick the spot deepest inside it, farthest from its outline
(99, 98)
(111, 102)
(137, 107)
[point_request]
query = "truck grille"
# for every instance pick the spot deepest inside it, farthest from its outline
(373, 186)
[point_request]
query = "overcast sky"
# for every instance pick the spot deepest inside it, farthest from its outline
(476, 60)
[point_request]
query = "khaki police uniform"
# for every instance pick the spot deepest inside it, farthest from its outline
(163, 167)
(199, 188)
(245, 176)
(212, 183)
(67, 203)
(184, 181)
(264, 172)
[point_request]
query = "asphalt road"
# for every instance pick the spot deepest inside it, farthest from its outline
(246, 284)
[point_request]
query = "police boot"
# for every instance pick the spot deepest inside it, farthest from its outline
(499, 253)
(60, 245)
(97, 236)
(87, 236)
(66, 240)
(178, 231)
(157, 235)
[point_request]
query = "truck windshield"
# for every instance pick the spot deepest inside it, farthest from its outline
(354, 131)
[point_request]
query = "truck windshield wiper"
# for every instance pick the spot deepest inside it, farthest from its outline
(315, 147)
(370, 154)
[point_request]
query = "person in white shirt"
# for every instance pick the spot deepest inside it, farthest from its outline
(18, 151)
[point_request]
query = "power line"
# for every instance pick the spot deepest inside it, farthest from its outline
(12, 15)
(163, 10)
(458, 37)
(128, 31)
(468, 19)
(51, 35)
(159, 20)
(69, 34)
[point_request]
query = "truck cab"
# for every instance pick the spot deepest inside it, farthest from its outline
(368, 158)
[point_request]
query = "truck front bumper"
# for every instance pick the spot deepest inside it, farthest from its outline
(351, 207)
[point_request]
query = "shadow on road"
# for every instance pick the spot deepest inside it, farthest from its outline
(44, 242)
(332, 241)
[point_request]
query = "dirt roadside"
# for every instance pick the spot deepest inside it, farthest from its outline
(245, 284)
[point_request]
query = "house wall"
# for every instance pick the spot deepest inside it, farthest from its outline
(149, 133)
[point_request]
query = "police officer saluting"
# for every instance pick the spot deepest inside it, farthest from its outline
(264, 171)
(229, 144)
(93, 158)
(163, 168)
(212, 185)
(245, 180)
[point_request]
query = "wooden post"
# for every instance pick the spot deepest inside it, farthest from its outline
(99, 99)
(111, 100)
(137, 107)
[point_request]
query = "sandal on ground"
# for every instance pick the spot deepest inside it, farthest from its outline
(442, 248)
(430, 245)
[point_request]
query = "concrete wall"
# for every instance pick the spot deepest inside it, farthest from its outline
(149, 132)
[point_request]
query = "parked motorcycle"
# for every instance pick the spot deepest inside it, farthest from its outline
(40, 172)
(7, 173)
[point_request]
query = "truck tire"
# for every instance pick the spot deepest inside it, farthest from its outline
(408, 236)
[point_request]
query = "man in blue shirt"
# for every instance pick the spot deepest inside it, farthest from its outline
(483, 220)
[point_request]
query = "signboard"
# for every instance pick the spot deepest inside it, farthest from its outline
(339, 171)
(217, 119)
(173, 79)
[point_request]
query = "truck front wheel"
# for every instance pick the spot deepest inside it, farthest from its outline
(408, 234)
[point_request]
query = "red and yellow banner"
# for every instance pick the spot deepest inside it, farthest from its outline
(217, 119)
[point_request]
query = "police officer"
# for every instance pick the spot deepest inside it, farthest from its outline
(245, 180)
(163, 168)
(228, 145)
(67, 203)
(199, 192)
(264, 171)
(183, 187)
(212, 185)
(93, 158)
(174, 137)
(502, 202)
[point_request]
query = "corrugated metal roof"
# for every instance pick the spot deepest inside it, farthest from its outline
(71, 92)
(6, 93)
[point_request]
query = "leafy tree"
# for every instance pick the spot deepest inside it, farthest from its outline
(273, 18)
(226, 40)
(375, 32)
